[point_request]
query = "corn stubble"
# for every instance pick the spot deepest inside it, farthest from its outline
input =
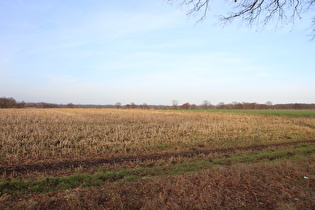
(43, 135)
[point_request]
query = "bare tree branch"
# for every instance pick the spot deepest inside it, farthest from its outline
(260, 12)
(196, 6)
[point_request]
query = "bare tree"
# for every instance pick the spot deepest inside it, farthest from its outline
(206, 104)
(144, 106)
(268, 103)
(251, 12)
(118, 105)
(133, 105)
(175, 104)
(7, 102)
(70, 105)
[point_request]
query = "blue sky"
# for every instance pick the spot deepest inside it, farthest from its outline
(146, 51)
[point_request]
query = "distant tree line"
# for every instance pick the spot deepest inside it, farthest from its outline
(245, 105)
(12, 103)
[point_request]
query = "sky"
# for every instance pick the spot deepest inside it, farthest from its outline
(147, 51)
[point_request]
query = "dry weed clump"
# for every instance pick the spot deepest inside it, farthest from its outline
(35, 135)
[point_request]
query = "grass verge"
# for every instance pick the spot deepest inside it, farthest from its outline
(294, 113)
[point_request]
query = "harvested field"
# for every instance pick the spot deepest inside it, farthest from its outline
(53, 150)
(29, 136)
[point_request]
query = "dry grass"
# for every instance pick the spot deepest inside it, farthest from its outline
(43, 135)
(276, 185)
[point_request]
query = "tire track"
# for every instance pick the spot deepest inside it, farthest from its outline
(90, 163)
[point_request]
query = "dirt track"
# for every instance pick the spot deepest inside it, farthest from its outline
(90, 163)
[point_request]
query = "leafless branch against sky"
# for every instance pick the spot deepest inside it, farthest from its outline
(253, 12)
